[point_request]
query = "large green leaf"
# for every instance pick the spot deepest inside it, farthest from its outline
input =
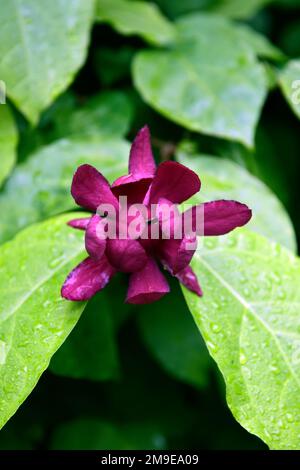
(40, 187)
(222, 97)
(106, 114)
(42, 45)
(173, 339)
(34, 319)
(8, 142)
(136, 17)
(224, 179)
(289, 80)
(249, 318)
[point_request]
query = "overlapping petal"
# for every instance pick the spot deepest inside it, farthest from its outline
(90, 189)
(87, 279)
(147, 285)
(176, 254)
(174, 182)
(169, 219)
(95, 237)
(134, 190)
(126, 255)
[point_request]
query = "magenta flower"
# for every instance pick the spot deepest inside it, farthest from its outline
(160, 187)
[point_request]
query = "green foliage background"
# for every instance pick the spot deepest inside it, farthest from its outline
(216, 81)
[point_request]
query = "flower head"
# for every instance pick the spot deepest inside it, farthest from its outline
(135, 223)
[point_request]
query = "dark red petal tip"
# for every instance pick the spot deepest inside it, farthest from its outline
(80, 224)
(141, 161)
(188, 278)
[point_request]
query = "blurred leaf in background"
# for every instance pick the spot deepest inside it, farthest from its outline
(223, 99)
(8, 142)
(40, 187)
(42, 46)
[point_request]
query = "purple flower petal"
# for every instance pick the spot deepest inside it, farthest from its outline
(188, 278)
(147, 285)
(80, 224)
(220, 217)
(126, 255)
(87, 279)
(169, 218)
(95, 239)
(135, 190)
(174, 182)
(90, 188)
(177, 254)
(141, 161)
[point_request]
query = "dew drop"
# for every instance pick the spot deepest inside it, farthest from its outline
(210, 243)
(246, 292)
(243, 359)
(289, 417)
(55, 262)
(281, 294)
(212, 346)
(274, 369)
(232, 241)
(215, 327)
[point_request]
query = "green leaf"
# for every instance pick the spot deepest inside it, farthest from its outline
(8, 142)
(107, 114)
(95, 434)
(238, 9)
(173, 339)
(224, 179)
(249, 318)
(221, 98)
(259, 43)
(230, 8)
(42, 45)
(135, 17)
(34, 319)
(289, 81)
(40, 187)
(90, 352)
